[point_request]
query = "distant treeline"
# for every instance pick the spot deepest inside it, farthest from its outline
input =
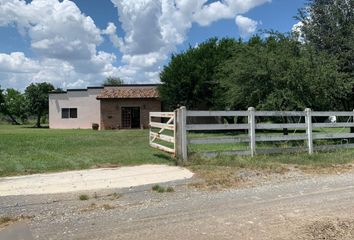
(311, 67)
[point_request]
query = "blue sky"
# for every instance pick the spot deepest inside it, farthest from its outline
(78, 43)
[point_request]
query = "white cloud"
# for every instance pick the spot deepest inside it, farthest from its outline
(297, 30)
(154, 28)
(246, 26)
(63, 39)
(18, 71)
(16, 62)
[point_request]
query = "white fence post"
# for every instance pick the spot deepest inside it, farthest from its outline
(308, 121)
(181, 134)
(175, 112)
(252, 130)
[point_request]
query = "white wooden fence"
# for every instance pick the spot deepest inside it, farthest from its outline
(155, 137)
(181, 128)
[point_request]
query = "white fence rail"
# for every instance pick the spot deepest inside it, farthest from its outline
(305, 123)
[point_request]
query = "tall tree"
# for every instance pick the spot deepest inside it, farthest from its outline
(13, 105)
(114, 81)
(280, 73)
(189, 78)
(328, 25)
(37, 98)
(2, 99)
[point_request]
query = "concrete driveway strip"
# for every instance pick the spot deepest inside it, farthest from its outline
(93, 179)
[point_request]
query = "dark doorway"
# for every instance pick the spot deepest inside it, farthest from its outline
(130, 117)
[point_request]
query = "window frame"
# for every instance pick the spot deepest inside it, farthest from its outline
(69, 113)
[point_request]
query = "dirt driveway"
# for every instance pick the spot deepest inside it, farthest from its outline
(313, 207)
(92, 179)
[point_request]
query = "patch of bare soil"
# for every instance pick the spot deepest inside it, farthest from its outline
(333, 169)
(94, 206)
(329, 229)
(223, 177)
(219, 177)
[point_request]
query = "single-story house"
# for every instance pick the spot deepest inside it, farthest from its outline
(112, 107)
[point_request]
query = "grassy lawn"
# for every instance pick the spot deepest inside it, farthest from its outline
(26, 150)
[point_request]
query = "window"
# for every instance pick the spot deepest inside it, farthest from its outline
(73, 112)
(68, 113)
(65, 112)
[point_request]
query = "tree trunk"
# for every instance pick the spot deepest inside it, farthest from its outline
(13, 119)
(38, 124)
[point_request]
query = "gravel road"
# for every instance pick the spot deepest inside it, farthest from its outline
(310, 207)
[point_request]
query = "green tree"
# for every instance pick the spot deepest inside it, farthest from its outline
(2, 98)
(113, 81)
(328, 25)
(14, 105)
(37, 99)
(189, 78)
(280, 73)
(2, 101)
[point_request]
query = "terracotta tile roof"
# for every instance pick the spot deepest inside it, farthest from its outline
(129, 92)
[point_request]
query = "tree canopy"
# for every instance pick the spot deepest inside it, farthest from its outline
(37, 97)
(328, 26)
(189, 79)
(276, 72)
(13, 104)
(114, 81)
(279, 73)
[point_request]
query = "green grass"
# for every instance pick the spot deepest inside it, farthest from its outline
(220, 147)
(26, 150)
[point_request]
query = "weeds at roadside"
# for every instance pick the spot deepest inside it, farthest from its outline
(108, 207)
(91, 207)
(94, 206)
(170, 189)
(156, 187)
(7, 220)
(84, 197)
(115, 196)
(233, 171)
(160, 189)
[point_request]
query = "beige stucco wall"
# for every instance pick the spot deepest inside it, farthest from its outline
(88, 109)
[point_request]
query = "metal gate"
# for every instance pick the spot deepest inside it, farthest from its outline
(163, 131)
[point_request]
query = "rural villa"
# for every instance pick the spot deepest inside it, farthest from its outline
(111, 107)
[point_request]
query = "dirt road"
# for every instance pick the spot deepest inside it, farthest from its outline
(320, 207)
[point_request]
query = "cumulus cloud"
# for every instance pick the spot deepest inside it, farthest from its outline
(63, 39)
(16, 62)
(297, 31)
(246, 26)
(154, 28)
